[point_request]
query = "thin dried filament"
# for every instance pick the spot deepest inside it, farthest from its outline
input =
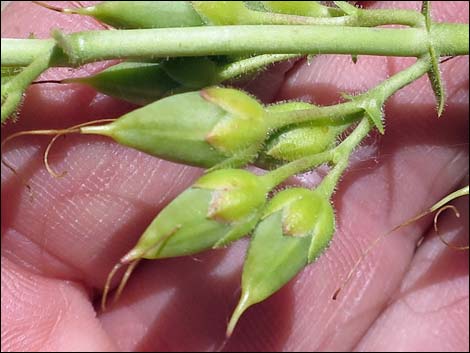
(436, 218)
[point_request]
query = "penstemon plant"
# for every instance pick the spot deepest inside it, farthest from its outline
(176, 59)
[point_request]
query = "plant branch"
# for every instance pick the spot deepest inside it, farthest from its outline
(91, 46)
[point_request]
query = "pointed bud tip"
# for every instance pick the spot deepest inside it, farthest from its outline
(242, 305)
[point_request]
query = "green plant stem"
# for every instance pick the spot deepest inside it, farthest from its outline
(388, 87)
(350, 111)
(378, 17)
(341, 155)
(241, 67)
(277, 176)
(84, 47)
(12, 91)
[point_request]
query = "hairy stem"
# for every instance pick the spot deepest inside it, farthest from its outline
(84, 47)
(341, 156)
(350, 111)
(277, 176)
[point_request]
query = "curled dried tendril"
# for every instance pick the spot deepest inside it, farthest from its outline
(57, 133)
(73, 129)
(132, 259)
(438, 208)
(18, 134)
(441, 238)
(131, 266)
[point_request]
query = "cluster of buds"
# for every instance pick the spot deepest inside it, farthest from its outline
(296, 227)
(289, 232)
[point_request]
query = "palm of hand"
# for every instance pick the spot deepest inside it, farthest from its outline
(58, 248)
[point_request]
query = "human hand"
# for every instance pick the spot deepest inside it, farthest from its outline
(59, 246)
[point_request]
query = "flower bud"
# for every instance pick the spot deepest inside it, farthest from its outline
(191, 72)
(142, 14)
(139, 83)
(300, 8)
(144, 83)
(202, 128)
(219, 208)
(244, 125)
(221, 13)
(292, 143)
(297, 225)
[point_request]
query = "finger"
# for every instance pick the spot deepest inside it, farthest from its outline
(430, 311)
(45, 314)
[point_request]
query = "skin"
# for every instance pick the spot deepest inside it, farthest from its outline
(59, 245)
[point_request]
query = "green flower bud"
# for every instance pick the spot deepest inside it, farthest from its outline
(142, 14)
(219, 208)
(135, 82)
(143, 83)
(304, 213)
(222, 13)
(197, 128)
(292, 143)
(244, 125)
(301, 8)
(297, 225)
(191, 72)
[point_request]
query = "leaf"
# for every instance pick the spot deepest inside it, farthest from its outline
(426, 11)
(436, 81)
(374, 112)
(434, 74)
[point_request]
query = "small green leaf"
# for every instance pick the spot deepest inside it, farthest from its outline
(13, 90)
(354, 58)
(426, 11)
(374, 112)
(436, 81)
(434, 74)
